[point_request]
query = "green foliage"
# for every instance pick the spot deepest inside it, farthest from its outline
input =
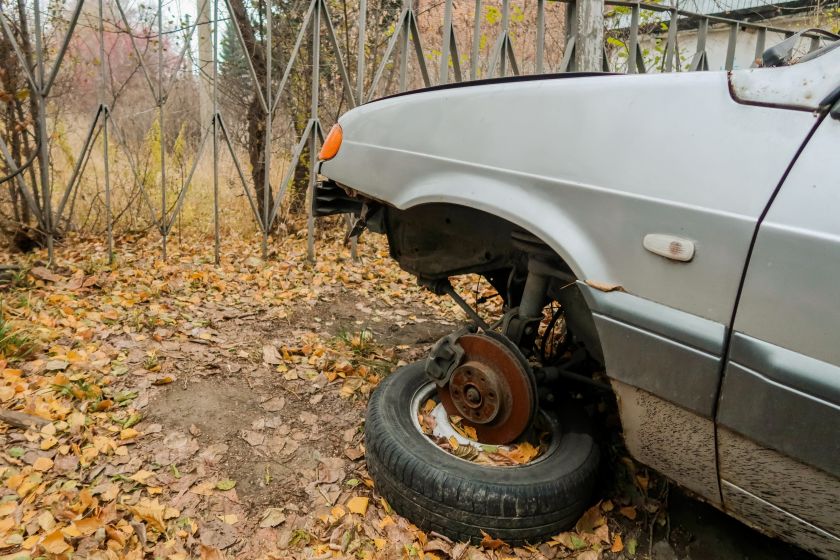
(492, 15)
(233, 67)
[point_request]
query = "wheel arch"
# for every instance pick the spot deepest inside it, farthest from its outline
(529, 210)
(435, 239)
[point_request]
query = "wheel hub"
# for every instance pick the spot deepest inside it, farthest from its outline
(492, 390)
(475, 390)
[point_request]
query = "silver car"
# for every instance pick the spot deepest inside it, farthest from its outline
(685, 230)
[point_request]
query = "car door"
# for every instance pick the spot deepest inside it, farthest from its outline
(778, 419)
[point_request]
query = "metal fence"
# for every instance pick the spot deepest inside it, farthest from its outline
(588, 46)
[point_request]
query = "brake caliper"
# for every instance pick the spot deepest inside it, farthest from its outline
(446, 355)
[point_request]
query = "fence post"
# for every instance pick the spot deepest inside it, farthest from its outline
(105, 109)
(589, 45)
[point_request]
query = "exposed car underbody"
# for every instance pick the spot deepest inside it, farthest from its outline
(438, 241)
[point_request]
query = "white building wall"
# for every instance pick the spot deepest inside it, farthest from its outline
(717, 41)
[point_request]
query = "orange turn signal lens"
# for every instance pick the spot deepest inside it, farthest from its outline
(332, 143)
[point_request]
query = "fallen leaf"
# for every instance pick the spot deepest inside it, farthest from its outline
(252, 437)
(142, 476)
(604, 286)
(490, 543)
(203, 489)
(272, 517)
(128, 433)
(56, 365)
(42, 464)
(271, 356)
(226, 484)
(211, 553)
(590, 520)
(358, 504)
(521, 453)
(46, 521)
(54, 543)
(469, 431)
(274, 404)
(617, 544)
(150, 511)
(88, 525)
(629, 512)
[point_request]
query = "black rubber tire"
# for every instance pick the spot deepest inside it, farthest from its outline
(439, 492)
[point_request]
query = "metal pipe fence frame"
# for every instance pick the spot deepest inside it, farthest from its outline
(584, 51)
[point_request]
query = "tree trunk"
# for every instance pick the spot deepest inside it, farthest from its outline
(257, 134)
(257, 139)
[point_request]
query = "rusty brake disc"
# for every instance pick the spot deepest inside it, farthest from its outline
(492, 389)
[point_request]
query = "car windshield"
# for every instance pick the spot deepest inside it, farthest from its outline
(800, 47)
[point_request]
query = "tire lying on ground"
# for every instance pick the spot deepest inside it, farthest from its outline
(440, 492)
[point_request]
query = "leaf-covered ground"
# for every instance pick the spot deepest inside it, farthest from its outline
(185, 410)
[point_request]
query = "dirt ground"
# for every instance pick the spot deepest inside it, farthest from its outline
(194, 411)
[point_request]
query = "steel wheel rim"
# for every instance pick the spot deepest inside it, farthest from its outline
(429, 391)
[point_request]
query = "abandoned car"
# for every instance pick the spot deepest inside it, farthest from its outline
(684, 230)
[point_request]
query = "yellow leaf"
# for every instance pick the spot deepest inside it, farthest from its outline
(590, 520)
(86, 501)
(110, 493)
(150, 511)
(337, 512)
(469, 431)
(30, 542)
(104, 405)
(204, 489)
(211, 553)
(387, 520)
(71, 532)
(42, 464)
(142, 476)
(46, 521)
(629, 512)
(521, 453)
(358, 504)
(617, 544)
(7, 508)
(54, 543)
(129, 433)
(14, 481)
(490, 543)
(48, 443)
